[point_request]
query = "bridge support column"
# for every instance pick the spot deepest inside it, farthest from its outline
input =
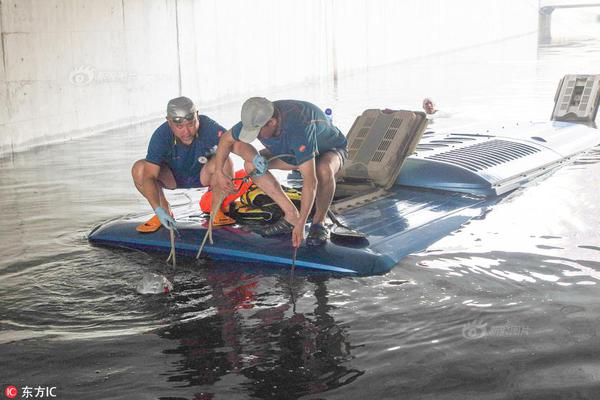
(545, 25)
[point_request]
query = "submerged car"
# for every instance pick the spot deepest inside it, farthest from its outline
(402, 188)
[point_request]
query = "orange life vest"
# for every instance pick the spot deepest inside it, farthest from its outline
(241, 186)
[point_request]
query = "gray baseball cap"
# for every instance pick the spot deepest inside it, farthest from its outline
(181, 107)
(256, 111)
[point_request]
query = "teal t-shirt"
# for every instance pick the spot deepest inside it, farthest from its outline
(305, 132)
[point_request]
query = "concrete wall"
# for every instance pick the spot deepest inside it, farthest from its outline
(75, 67)
(4, 136)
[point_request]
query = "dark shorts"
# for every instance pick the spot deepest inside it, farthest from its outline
(182, 181)
(341, 152)
(187, 182)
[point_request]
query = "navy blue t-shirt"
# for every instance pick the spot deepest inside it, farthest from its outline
(305, 132)
(182, 159)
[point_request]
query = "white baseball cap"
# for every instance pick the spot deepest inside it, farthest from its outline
(256, 111)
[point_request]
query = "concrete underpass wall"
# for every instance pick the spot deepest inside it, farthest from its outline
(75, 67)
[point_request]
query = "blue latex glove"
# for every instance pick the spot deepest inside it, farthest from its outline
(261, 165)
(165, 219)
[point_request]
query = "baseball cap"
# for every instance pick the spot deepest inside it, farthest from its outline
(181, 108)
(256, 111)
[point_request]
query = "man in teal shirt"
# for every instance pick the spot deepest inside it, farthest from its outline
(297, 136)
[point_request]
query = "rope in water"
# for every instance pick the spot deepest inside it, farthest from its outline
(172, 253)
(292, 295)
(294, 254)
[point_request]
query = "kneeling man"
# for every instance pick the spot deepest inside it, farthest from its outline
(297, 136)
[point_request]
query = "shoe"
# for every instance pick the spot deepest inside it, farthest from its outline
(152, 225)
(280, 227)
(317, 235)
(221, 219)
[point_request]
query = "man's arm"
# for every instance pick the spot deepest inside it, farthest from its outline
(227, 145)
(150, 184)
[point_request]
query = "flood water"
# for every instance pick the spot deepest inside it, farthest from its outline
(504, 308)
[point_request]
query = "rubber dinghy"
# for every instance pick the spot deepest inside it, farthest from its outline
(403, 188)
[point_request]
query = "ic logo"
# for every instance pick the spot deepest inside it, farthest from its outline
(11, 392)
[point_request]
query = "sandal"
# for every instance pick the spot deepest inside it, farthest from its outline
(280, 227)
(317, 235)
(220, 219)
(152, 225)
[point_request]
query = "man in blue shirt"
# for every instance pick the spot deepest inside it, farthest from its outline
(179, 156)
(297, 136)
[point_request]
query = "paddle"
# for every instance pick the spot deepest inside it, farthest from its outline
(342, 231)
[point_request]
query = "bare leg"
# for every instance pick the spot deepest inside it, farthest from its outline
(165, 180)
(271, 187)
(327, 166)
(206, 179)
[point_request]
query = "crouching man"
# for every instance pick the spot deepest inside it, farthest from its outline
(179, 156)
(297, 136)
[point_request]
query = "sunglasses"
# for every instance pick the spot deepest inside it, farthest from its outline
(180, 120)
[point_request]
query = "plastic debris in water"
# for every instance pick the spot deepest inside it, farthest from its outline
(153, 284)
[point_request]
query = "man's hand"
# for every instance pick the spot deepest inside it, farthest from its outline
(298, 234)
(261, 165)
(165, 219)
(223, 183)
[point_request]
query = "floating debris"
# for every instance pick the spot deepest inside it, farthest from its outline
(152, 283)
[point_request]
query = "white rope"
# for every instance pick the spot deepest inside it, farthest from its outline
(172, 253)
(208, 234)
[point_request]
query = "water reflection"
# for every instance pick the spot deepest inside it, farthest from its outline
(516, 270)
(231, 329)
